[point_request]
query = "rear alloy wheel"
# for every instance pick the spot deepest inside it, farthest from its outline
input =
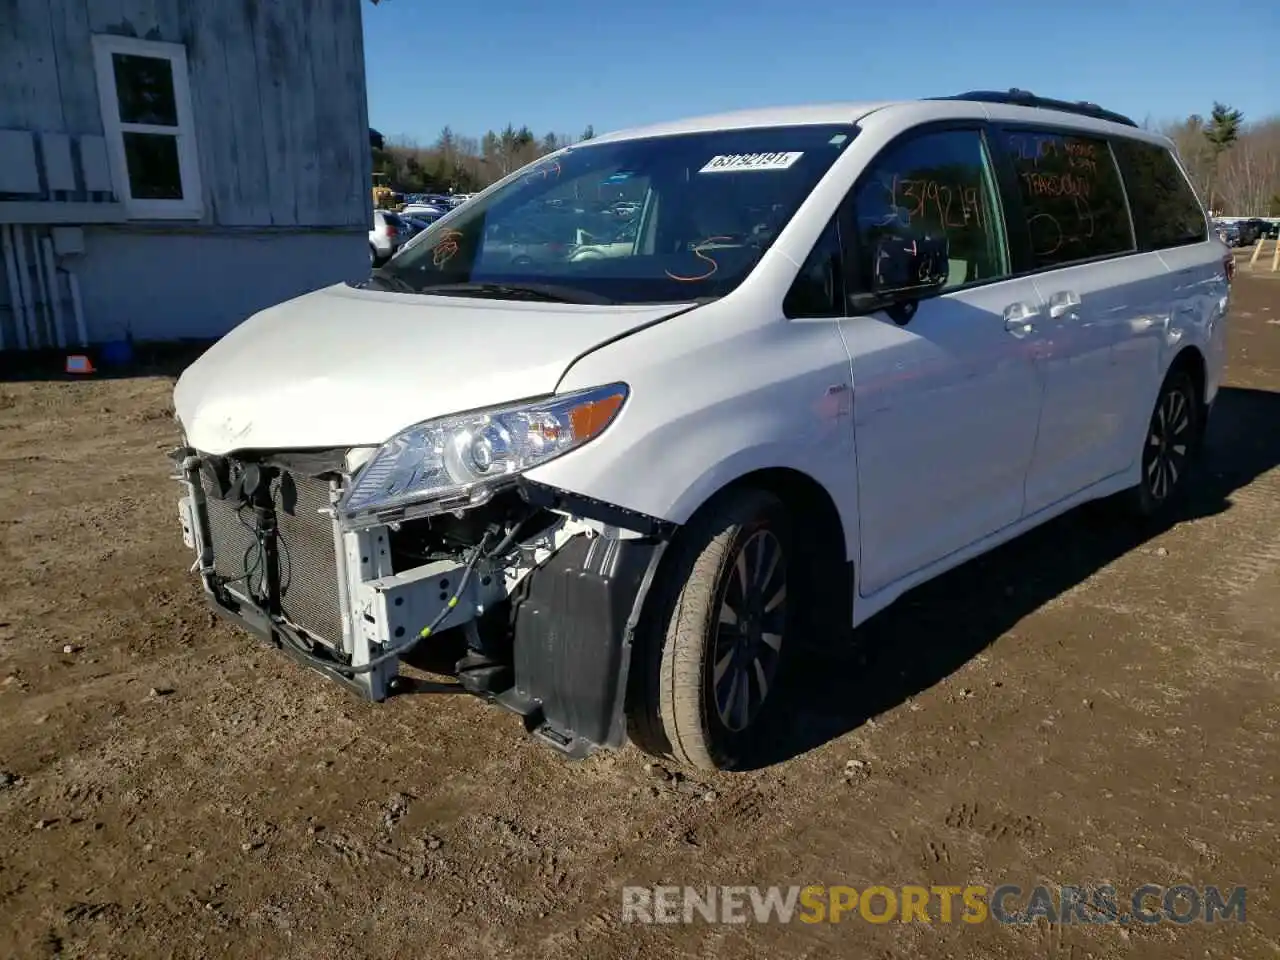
(714, 645)
(1169, 447)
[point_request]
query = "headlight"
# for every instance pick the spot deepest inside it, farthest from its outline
(462, 460)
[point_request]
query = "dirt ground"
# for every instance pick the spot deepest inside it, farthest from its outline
(1086, 705)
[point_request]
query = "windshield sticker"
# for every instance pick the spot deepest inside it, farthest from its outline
(732, 163)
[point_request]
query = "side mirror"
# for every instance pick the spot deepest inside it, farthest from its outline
(904, 270)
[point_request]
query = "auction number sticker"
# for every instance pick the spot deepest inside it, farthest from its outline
(731, 163)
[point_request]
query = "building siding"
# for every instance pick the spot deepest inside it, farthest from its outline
(277, 86)
(194, 294)
(281, 124)
(173, 284)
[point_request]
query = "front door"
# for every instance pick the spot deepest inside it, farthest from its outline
(945, 406)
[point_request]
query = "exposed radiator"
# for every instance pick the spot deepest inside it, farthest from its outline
(308, 568)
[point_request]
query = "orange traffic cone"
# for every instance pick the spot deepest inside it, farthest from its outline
(78, 363)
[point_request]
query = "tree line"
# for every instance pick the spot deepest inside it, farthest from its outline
(1234, 163)
(461, 164)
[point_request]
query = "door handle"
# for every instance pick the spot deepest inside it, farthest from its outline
(1019, 318)
(1062, 303)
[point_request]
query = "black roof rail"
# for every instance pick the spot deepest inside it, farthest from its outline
(1025, 98)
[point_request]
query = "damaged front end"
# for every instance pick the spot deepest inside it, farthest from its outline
(548, 586)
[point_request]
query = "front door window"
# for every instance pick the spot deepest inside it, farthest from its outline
(936, 184)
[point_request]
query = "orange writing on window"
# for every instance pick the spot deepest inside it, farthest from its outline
(446, 248)
(699, 252)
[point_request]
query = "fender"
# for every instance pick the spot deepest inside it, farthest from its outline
(733, 468)
(715, 395)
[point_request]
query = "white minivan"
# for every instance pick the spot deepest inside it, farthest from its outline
(848, 347)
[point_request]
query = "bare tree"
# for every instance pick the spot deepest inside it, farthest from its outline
(1234, 165)
(1248, 177)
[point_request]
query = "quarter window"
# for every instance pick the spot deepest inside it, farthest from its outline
(1073, 203)
(1166, 211)
(818, 289)
(146, 116)
(935, 184)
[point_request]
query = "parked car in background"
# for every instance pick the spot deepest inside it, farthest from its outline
(1228, 231)
(420, 222)
(528, 240)
(1250, 231)
(423, 210)
(1258, 228)
(388, 234)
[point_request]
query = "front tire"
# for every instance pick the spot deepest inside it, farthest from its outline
(1169, 446)
(716, 639)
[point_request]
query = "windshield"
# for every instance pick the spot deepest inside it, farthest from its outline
(657, 220)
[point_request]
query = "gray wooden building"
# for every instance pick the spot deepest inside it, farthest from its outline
(169, 167)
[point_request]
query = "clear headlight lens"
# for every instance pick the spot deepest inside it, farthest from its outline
(462, 460)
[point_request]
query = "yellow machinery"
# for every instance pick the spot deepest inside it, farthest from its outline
(383, 196)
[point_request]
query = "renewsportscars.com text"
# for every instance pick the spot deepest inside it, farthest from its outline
(973, 903)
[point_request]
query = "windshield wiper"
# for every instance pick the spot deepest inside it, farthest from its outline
(546, 292)
(389, 281)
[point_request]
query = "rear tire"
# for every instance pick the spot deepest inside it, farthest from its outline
(1170, 446)
(714, 641)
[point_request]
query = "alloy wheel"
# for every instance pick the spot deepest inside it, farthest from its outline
(749, 630)
(1168, 446)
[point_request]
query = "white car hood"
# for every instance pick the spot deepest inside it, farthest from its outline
(345, 367)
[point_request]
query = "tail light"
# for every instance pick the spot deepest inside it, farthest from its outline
(390, 230)
(1229, 265)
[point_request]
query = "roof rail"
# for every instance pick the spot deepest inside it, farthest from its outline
(1025, 98)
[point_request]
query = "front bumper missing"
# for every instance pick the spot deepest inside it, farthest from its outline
(573, 613)
(254, 620)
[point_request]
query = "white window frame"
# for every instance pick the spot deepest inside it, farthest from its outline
(191, 206)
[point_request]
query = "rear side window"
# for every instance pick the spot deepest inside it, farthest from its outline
(1073, 201)
(1166, 212)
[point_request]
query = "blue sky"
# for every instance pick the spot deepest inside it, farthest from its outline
(562, 65)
